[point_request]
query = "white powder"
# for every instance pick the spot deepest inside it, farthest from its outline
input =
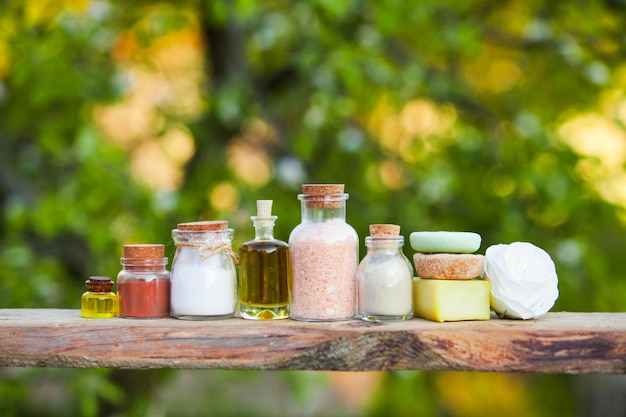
(202, 287)
(385, 287)
(324, 258)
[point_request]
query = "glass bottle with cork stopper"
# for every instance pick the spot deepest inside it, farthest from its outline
(143, 283)
(204, 278)
(264, 270)
(99, 301)
(324, 254)
(385, 277)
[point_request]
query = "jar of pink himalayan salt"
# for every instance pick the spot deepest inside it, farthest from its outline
(324, 252)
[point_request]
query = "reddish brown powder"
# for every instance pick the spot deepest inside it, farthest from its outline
(144, 299)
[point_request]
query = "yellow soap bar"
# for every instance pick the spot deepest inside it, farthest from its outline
(451, 300)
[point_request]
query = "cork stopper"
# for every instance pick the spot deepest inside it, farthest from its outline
(384, 230)
(204, 225)
(323, 189)
(99, 284)
(264, 208)
(144, 251)
(264, 216)
(316, 195)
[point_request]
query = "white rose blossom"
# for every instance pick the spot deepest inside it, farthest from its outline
(524, 283)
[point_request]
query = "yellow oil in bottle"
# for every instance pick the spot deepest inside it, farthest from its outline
(99, 302)
(264, 270)
(96, 305)
(264, 280)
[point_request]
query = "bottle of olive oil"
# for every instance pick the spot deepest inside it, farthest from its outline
(264, 272)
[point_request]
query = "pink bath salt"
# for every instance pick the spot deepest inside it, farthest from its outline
(324, 259)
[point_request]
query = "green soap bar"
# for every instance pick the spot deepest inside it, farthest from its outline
(445, 242)
(449, 300)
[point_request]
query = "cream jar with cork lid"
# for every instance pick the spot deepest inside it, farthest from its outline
(324, 254)
(385, 277)
(204, 278)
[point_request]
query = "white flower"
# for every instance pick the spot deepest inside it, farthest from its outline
(523, 280)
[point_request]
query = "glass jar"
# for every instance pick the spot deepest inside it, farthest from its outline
(324, 254)
(385, 277)
(264, 272)
(99, 301)
(204, 279)
(143, 284)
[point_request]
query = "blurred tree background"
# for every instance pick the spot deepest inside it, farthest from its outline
(119, 120)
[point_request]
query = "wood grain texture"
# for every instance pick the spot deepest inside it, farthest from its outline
(554, 343)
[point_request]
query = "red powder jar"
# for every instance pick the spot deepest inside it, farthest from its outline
(143, 284)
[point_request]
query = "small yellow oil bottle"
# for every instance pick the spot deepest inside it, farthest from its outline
(99, 302)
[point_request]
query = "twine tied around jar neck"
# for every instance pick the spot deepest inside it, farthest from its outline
(207, 250)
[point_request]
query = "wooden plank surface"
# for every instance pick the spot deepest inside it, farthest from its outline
(554, 343)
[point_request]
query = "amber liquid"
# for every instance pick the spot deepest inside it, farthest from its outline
(264, 280)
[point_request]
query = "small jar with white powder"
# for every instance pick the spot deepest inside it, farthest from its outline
(385, 277)
(203, 278)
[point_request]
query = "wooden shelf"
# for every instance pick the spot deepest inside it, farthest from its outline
(554, 343)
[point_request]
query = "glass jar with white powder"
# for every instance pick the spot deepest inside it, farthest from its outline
(204, 278)
(385, 277)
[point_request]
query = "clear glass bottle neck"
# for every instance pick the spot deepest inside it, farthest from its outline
(319, 215)
(263, 227)
(323, 208)
(391, 244)
(147, 264)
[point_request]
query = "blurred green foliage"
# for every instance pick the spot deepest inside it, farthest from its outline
(120, 119)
